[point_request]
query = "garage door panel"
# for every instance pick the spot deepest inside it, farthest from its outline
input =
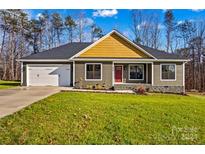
(49, 75)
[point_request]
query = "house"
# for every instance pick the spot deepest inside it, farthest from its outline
(111, 62)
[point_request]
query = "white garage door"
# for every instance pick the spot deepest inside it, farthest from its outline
(49, 75)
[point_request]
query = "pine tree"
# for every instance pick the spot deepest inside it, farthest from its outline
(57, 23)
(33, 35)
(70, 26)
(96, 32)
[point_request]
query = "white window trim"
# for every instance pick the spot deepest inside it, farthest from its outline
(142, 72)
(100, 71)
(161, 72)
(122, 74)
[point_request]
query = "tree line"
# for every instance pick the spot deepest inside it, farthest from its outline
(185, 38)
(20, 35)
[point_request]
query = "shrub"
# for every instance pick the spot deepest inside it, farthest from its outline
(89, 86)
(112, 88)
(140, 90)
(98, 87)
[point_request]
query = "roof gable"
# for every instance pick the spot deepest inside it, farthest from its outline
(125, 49)
(114, 45)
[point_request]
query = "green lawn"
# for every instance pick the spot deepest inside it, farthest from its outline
(8, 84)
(96, 118)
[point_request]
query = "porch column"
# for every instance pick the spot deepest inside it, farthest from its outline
(183, 72)
(152, 74)
(113, 69)
(146, 81)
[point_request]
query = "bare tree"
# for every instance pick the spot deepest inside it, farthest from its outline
(146, 28)
(81, 24)
(193, 47)
(137, 19)
(169, 24)
(155, 33)
(13, 23)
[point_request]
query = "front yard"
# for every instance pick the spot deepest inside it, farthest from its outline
(95, 118)
(8, 84)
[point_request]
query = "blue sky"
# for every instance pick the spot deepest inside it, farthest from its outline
(121, 19)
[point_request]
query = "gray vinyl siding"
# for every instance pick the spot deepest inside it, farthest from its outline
(80, 81)
(24, 83)
(179, 75)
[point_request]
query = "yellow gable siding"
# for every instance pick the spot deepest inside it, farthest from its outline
(114, 47)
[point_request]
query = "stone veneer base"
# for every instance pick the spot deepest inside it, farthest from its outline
(150, 88)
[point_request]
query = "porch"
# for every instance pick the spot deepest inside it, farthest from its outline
(131, 75)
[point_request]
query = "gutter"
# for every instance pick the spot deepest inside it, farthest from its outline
(43, 60)
(101, 59)
(134, 60)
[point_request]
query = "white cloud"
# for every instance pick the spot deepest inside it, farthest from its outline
(105, 13)
(128, 34)
(29, 13)
(145, 24)
(85, 21)
(182, 21)
(39, 15)
(89, 21)
(197, 10)
(164, 10)
(161, 26)
(192, 20)
(142, 24)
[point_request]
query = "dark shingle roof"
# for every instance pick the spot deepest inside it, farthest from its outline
(62, 52)
(68, 50)
(160, 54)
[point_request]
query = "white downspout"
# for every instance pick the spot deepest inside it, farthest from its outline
(152, 74)
(21, 73)
(73, 73)
(112, 73)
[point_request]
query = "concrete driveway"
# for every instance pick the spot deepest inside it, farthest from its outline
(12, 100)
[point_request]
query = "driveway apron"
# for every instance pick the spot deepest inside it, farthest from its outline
(12, 100)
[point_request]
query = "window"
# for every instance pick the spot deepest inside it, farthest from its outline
(168, 71)
(136, 72)
(93, 71)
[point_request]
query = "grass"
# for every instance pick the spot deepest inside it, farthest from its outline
(96, 118)
(8, 84)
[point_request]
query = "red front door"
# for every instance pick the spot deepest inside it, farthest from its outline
(118, 73)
